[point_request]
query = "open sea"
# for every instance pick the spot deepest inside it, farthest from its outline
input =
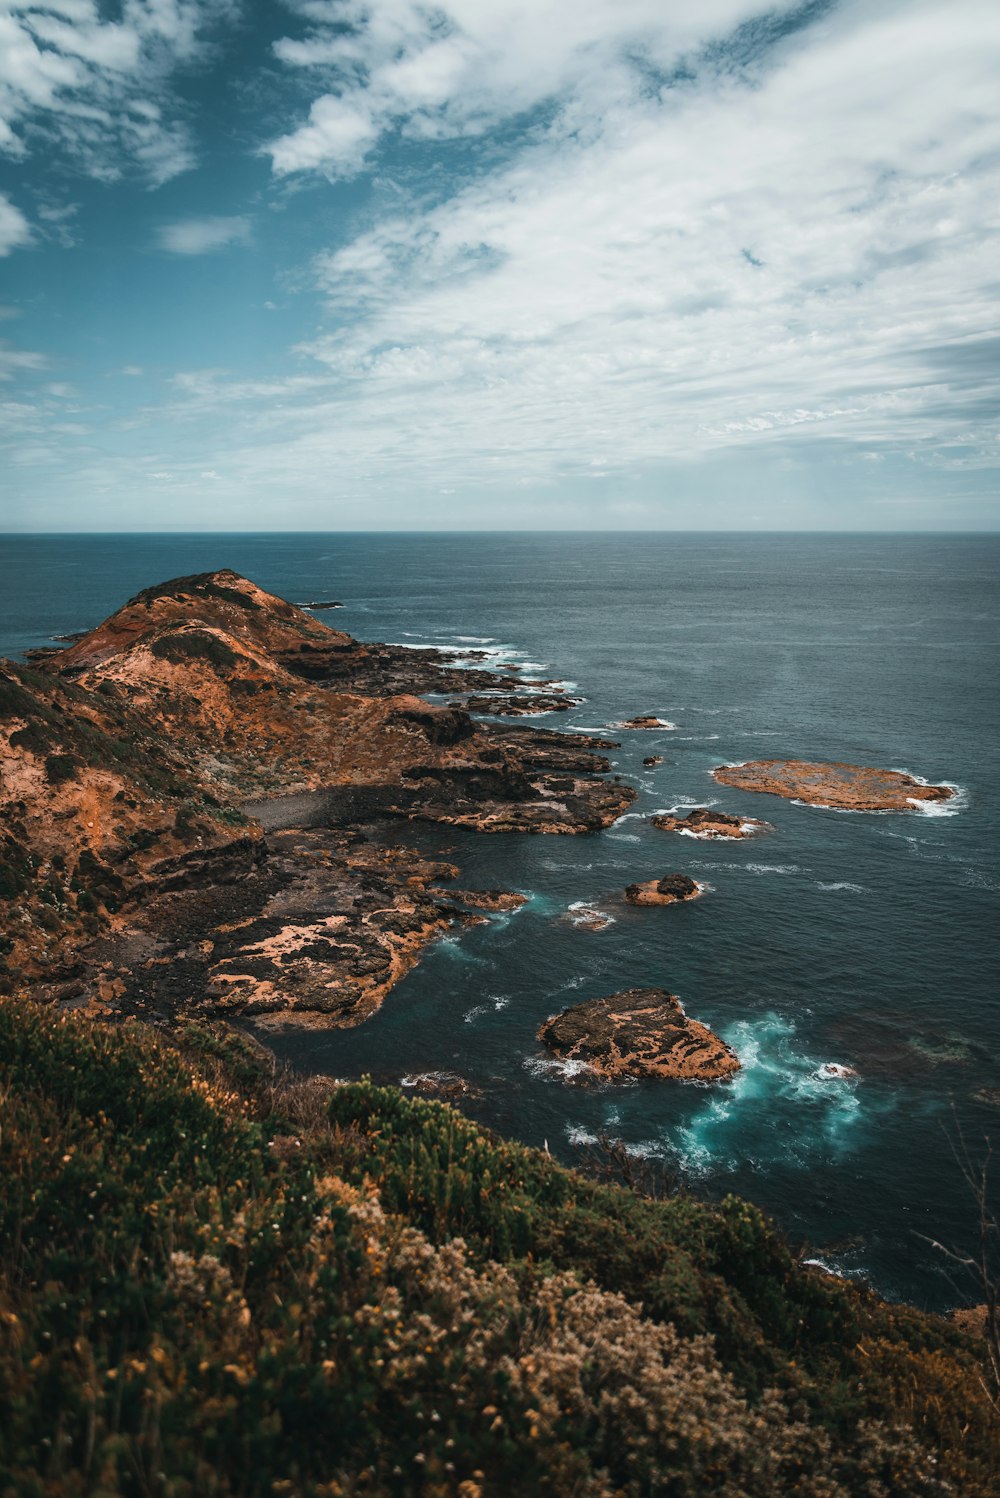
(869, 940)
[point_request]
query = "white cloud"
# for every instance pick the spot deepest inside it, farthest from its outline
(462, 67)
(14, 361)
(796, 251)
(14, 228)
(95, 87)
(199, 236)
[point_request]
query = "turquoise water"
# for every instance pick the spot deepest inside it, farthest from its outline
(861, 939)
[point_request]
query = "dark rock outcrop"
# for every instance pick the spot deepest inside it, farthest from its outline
(706, 822)
(667, 891)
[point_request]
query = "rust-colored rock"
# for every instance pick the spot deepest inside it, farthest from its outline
(150, 772)
(495, 900)
(642, 1032)
(706, 822)
(846, 787)
(671, 890)
(645, 721)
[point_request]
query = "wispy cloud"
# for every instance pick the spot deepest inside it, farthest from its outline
(792, 244)
(402, 68)
(14, 228)
(96, 88)
(200, 236)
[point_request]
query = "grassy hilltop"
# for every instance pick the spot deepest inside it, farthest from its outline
(214, 1285)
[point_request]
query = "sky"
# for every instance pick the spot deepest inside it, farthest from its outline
(491, 264)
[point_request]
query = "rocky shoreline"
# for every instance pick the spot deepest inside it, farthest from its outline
(197, 806)
(189, 797)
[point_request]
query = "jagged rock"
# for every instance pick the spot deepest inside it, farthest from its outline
(667, 891)
(847, 787)
(642, 1032)
(706, 822)
(447, 1085)
(528, 705)
(483, 899)
(653, 759)
(128, 760)
(645, 720)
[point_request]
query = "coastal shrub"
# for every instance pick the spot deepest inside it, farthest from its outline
(198, 585)
(32, 737)
(194, 644)
(196, 1299)
(61, 767)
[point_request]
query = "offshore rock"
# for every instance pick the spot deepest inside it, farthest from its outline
(667, 891)
(645, 721)
(653, 759)
(846, 787)
(706, 822)
(447, 1086)
(642, 1032)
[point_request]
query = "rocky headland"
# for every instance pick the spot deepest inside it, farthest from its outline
(706, 822)
(669, 890)
(845, 787)
(642, 1032)
(188, 795)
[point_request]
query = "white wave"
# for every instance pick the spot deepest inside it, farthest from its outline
(698, 738)
(950, 808)
(577, 1134)
(774, 868)
(624, 837)
(854, 889)
(685, 803)
(831, 1267)
(588, 912)
(979, 879)
(423, 645)
(541, 1066)
(771, 1070)
(471, 639)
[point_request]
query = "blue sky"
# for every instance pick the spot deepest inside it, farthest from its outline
(376, 264)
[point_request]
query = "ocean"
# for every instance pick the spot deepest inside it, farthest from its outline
(867, 940)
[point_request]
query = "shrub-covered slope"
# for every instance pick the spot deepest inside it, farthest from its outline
(212, 1285)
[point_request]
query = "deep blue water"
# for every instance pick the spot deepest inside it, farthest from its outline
(864, 939)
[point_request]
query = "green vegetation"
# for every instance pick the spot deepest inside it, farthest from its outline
(194, 644)
(216, 1284)
(60, 768)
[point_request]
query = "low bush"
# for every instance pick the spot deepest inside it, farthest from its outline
(212, 1283)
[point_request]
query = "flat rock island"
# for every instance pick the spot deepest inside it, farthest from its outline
(845, 787)
(642, 1032)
